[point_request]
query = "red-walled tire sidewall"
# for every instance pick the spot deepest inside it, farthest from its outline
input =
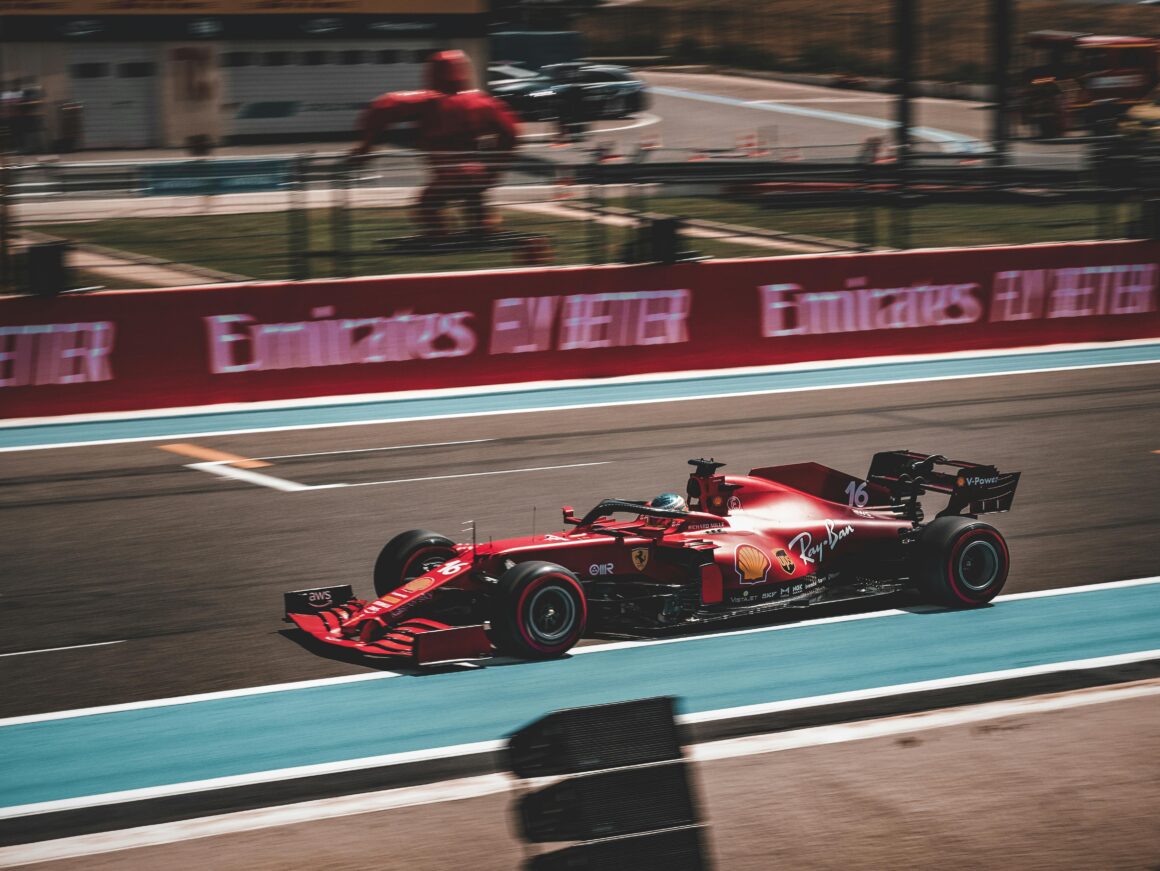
(944, 543)
(513, 621)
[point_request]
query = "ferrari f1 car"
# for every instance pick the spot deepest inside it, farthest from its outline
(780, 537)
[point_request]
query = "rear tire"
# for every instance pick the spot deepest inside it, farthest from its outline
(539, 611)
(962, 562)
(408, 555)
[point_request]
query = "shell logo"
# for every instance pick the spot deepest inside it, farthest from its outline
(418, 585)
(751, 564)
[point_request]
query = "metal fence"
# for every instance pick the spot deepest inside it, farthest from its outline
(170, 223)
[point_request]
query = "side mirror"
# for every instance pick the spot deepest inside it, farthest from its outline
(570, 515)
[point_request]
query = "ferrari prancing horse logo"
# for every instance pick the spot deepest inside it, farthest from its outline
(640, 558)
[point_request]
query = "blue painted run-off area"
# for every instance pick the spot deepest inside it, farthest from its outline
(493, 400)
(101, 753)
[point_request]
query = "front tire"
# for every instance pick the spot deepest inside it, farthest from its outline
(962, 562)
(408, 555)
(539, 612)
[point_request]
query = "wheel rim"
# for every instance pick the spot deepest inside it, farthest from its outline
(551, 614)
(424, 561)
(978, 565)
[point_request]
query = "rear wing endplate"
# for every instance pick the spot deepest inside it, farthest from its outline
(974, 488)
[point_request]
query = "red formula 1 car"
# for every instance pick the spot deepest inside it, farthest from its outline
(780, 537)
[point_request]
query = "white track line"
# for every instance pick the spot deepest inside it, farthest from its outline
(197, 697)
(1064, 591)
(257, 777)
(921, 686)
(492, 784)
(644, 119)
(710, 374)
(466, 475)
(374, 450)
(345, 765)
(648, 377)
(815, 736)
(588, 649)
(71, 647)
(224, 469)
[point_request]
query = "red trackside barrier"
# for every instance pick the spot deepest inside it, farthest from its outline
(151, 349)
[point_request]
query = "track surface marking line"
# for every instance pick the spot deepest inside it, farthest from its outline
(57, 649)
(227, 470)
(288, 415)
(198, 452)
(467, 475)
(375, 450)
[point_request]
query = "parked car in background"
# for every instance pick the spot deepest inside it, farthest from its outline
(606, 91)
(1074, 81)
(529, 93)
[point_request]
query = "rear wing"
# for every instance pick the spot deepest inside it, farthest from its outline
(974, 488)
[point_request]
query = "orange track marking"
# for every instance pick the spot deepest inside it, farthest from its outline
(209, 454)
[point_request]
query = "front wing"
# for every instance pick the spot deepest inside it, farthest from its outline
(422, 641)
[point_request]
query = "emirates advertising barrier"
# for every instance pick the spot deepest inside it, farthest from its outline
(125, 350)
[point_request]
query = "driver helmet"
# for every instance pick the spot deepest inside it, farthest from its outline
(670, 502)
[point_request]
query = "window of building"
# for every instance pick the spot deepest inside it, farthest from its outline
(135, 70)
(89, 71)
(277, 58)
(352, 58)
(237, 59)
(315, 58)
(389, 56)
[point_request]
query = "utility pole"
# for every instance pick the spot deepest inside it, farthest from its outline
(905, 26)
(1001, 21)
(905, 21)
(6, 279)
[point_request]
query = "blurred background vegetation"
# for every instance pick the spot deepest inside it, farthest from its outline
(852, 38)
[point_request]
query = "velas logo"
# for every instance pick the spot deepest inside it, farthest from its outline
(751, 564)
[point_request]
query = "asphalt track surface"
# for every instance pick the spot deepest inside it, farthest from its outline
(184, 570)
(793, 114)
